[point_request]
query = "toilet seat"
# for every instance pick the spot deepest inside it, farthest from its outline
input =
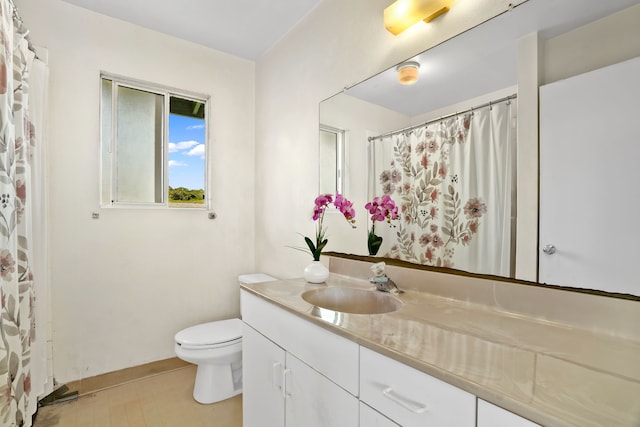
(210, 335)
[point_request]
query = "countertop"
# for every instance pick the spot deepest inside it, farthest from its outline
(552, 374)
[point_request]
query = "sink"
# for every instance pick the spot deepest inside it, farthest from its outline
(352, 300)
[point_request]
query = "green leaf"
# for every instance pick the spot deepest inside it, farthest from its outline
(312, 247)
(322, 245)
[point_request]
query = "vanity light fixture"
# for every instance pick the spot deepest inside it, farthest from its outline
(402, 14)
(408, 72)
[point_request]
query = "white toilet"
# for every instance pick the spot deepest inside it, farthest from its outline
(216, 347)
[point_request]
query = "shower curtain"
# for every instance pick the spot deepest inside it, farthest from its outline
(22, 350)
(454, 183)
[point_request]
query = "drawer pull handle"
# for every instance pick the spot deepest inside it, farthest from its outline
(276, 369)
(285, 392)
(415, 407)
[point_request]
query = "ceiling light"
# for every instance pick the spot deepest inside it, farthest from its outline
(408, 72)
(402, 14)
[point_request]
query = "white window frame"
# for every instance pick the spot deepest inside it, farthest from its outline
(167, 93)
(340, 156)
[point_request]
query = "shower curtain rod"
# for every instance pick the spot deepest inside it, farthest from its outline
(487, 104)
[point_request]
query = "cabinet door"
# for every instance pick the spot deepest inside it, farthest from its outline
(314, 345)
(314, 401)
(262, 368)
(372, 418)
(589, 173)
(490, 415)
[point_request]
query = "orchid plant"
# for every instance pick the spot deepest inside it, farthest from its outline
(381, 209)
(321, 203)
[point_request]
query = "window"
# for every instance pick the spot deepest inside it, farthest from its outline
(332, 150)
(153, 145)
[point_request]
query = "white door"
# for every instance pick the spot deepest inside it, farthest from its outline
(315, 401)
(262, 370)
(589, 177)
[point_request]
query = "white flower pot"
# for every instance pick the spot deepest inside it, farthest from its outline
(316, 272)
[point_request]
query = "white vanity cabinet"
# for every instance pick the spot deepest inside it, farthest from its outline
(410, 397)
(295, 373)
(369, 417)
(262, 368)
(490, 415)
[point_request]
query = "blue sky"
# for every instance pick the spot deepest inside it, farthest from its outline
(186, 152)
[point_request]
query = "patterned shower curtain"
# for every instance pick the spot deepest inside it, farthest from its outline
(454, 183)
(17, 322)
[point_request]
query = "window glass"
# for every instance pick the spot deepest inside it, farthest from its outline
(331, 160)
(186, 153)
(139, 147)
(153, 146)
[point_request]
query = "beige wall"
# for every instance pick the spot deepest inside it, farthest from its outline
(607, 41)
(124, 284)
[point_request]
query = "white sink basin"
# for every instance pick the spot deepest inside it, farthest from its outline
(351, 300)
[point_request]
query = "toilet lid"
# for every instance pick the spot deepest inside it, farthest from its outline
(210, 333)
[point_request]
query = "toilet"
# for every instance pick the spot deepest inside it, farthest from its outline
(216, 347)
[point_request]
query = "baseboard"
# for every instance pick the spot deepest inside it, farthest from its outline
(112, 379)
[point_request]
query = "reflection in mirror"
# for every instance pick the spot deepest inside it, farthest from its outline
(332, 150)
(454, 182)
(482, 65)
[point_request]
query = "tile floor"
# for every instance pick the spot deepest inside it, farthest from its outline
(163, 400)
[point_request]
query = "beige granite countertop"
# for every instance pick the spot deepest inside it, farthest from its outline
(552, 374)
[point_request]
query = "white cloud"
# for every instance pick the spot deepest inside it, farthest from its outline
(195, 127)
(198, 150)
(173, 163)
(182, 145)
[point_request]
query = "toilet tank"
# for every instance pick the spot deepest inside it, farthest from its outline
(247, 279)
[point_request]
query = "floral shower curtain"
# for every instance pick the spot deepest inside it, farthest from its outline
(454, 183)
(17, 320)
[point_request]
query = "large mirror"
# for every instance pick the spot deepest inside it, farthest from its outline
(446, 149)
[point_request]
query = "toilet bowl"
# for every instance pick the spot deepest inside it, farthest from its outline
(216, 347)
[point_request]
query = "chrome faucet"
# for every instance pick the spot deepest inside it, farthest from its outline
(381, 281)
(385, 284)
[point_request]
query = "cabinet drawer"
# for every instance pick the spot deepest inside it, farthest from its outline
(332, 355)
(410, 397)
(490, 415)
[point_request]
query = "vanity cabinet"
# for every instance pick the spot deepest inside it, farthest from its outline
(490, 415)
(410, 397)
(295, 373)
(263, 370)
(369, 417)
